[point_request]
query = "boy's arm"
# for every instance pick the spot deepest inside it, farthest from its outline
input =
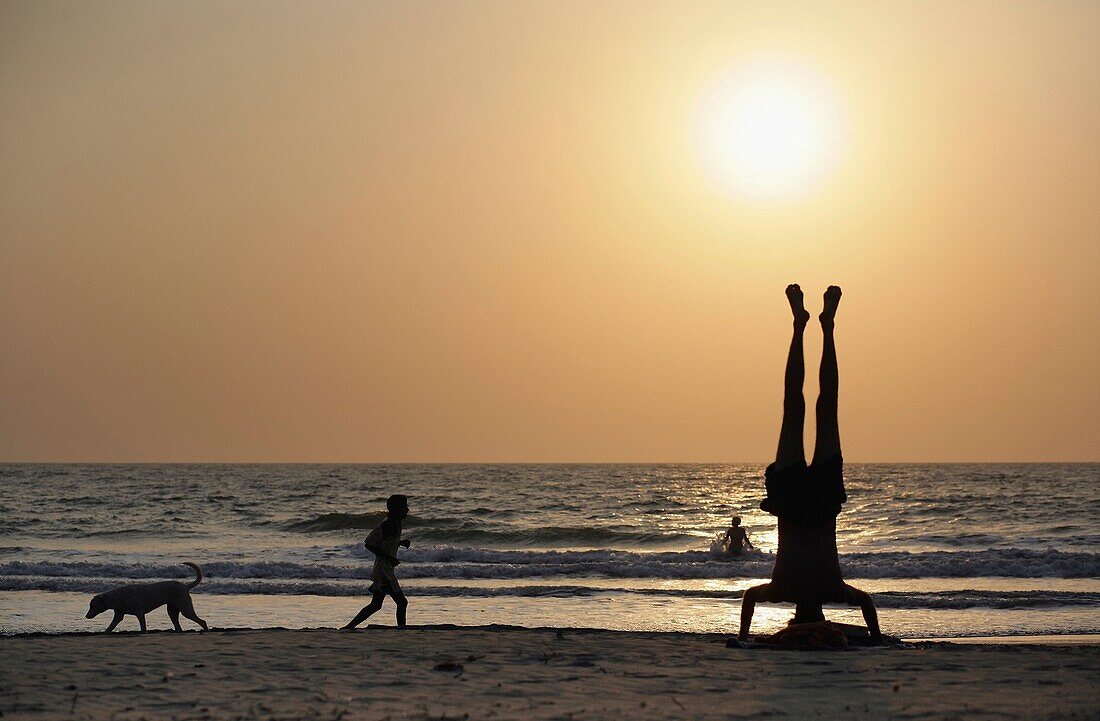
(377, 550)
(374, 543)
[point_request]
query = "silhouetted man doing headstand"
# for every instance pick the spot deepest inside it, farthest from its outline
(807, 499)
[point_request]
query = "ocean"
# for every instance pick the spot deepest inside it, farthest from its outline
(947, 550)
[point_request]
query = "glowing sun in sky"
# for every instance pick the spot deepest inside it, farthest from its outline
(768, 130)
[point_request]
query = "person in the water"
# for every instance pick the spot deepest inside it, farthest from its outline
(807, 499)
(736, 540)
(383, 543)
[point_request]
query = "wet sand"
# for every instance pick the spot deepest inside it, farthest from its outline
(505, 672)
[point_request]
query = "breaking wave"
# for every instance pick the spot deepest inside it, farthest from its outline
(466, 531)
(962, 599)
(473, 563)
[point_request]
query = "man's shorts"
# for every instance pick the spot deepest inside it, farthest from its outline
(805, 494)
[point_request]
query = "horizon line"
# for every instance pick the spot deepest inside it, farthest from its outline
(507, 463)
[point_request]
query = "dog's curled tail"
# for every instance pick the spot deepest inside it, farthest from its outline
(198, 574)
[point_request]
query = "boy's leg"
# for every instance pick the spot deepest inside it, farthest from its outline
(402, 604)
(828, 429)
(855, 597)
(791, 450)
(367, 611)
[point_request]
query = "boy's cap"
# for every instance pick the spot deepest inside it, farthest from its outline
(397, 501)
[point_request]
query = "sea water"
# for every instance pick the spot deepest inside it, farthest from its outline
(946, 550)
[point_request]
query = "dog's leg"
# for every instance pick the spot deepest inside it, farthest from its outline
(115, 621)
(188, 610)
(174, 614)
(141, 620)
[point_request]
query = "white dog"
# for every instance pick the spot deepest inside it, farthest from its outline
(141, 598)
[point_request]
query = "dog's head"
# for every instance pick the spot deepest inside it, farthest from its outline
(97, 606)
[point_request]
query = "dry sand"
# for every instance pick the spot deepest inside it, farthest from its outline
(498, 672)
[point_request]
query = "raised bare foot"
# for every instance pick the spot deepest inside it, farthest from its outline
(832, 300)
(798, 308)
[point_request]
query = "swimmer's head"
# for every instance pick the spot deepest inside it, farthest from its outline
(736, 520)
(397, 506)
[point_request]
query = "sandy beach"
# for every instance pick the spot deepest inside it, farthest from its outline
(505, 672)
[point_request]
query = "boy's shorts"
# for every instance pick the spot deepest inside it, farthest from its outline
(388, 586)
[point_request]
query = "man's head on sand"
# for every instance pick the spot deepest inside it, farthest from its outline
(397, 506)
(735, 521)
(807, 613)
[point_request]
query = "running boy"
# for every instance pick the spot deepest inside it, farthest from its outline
(383, 542)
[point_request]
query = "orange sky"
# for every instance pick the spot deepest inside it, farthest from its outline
(482, 231)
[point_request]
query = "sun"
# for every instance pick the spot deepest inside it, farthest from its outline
(768, 130)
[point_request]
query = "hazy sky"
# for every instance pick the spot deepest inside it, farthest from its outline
(486, 231)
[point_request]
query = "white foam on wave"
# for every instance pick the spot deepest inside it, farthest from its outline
(952, 599)
(472, 563)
